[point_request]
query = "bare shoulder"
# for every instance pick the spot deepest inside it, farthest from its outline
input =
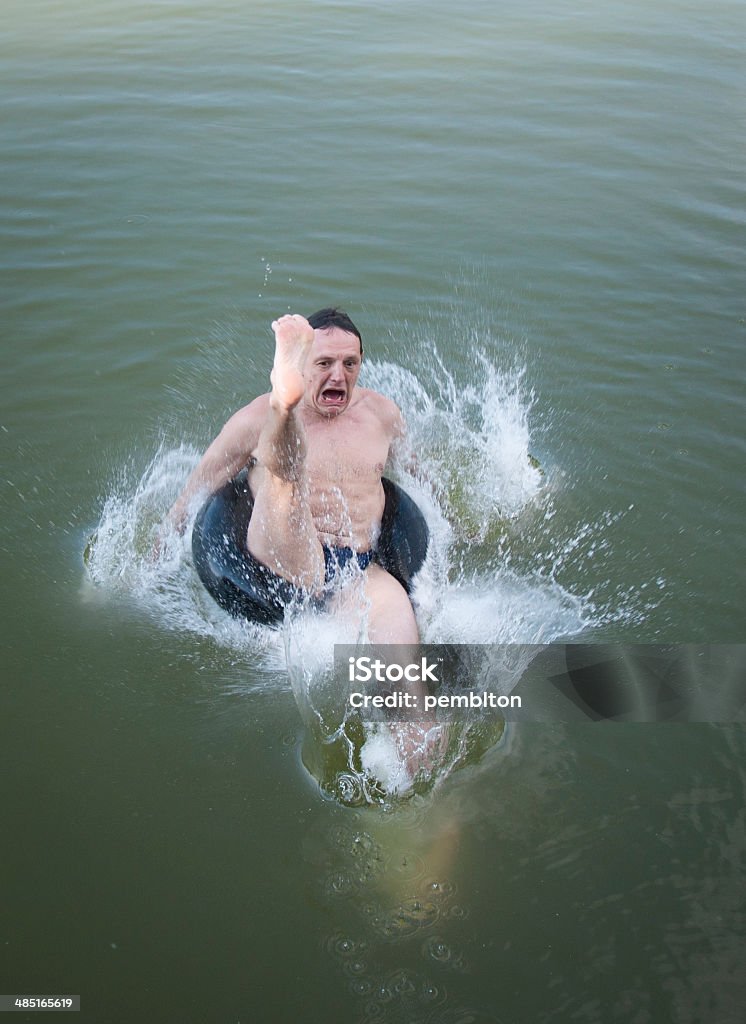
(252, 414)
(386, 411)
(243, 428)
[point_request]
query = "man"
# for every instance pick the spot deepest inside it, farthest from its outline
(317, 445)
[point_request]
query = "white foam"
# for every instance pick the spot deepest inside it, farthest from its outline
(381, 760)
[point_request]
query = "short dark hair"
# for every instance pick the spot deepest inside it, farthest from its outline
(333, 317)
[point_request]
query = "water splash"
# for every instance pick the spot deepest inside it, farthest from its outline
(471, 438)
(134, 554)
(500, 569)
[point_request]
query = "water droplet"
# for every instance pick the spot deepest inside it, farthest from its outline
(401, 983)
(439, 888)
(439, 950)
(355, 968)
(410, 916)
(342, 946)
(431, 993)
(339, 884)
(408, 866)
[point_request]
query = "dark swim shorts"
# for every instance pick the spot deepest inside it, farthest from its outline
(337, 559)
(275, 593)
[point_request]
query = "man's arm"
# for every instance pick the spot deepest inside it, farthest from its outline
(227, 455)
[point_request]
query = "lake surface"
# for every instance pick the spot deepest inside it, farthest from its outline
(535, 213)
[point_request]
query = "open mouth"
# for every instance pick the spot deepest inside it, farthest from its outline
(333, 396)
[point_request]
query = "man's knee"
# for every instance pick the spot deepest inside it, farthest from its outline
(392, 618)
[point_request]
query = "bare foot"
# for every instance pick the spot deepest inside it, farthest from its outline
(420, 745)
(293, 339)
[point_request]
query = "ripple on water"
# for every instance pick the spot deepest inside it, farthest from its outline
(437, 949)
(439, 888)
(361, 987)
(375, 1009)
(407, 918)
(409, 817)
(349, 789)
(406, 866)
(405, 996)
(356, 858)
(340, 885)
(431, 994)
(344, 948)
(401, 983)
(370, 910)
(355, 968)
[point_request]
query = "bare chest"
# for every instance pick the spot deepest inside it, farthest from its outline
(344, 455)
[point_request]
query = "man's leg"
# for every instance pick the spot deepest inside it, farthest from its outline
(420, 741)
(281, 532)
(391, 618)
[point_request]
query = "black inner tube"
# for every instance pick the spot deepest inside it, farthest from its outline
(247, 589)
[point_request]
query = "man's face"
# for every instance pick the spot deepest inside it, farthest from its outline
(331, 370)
